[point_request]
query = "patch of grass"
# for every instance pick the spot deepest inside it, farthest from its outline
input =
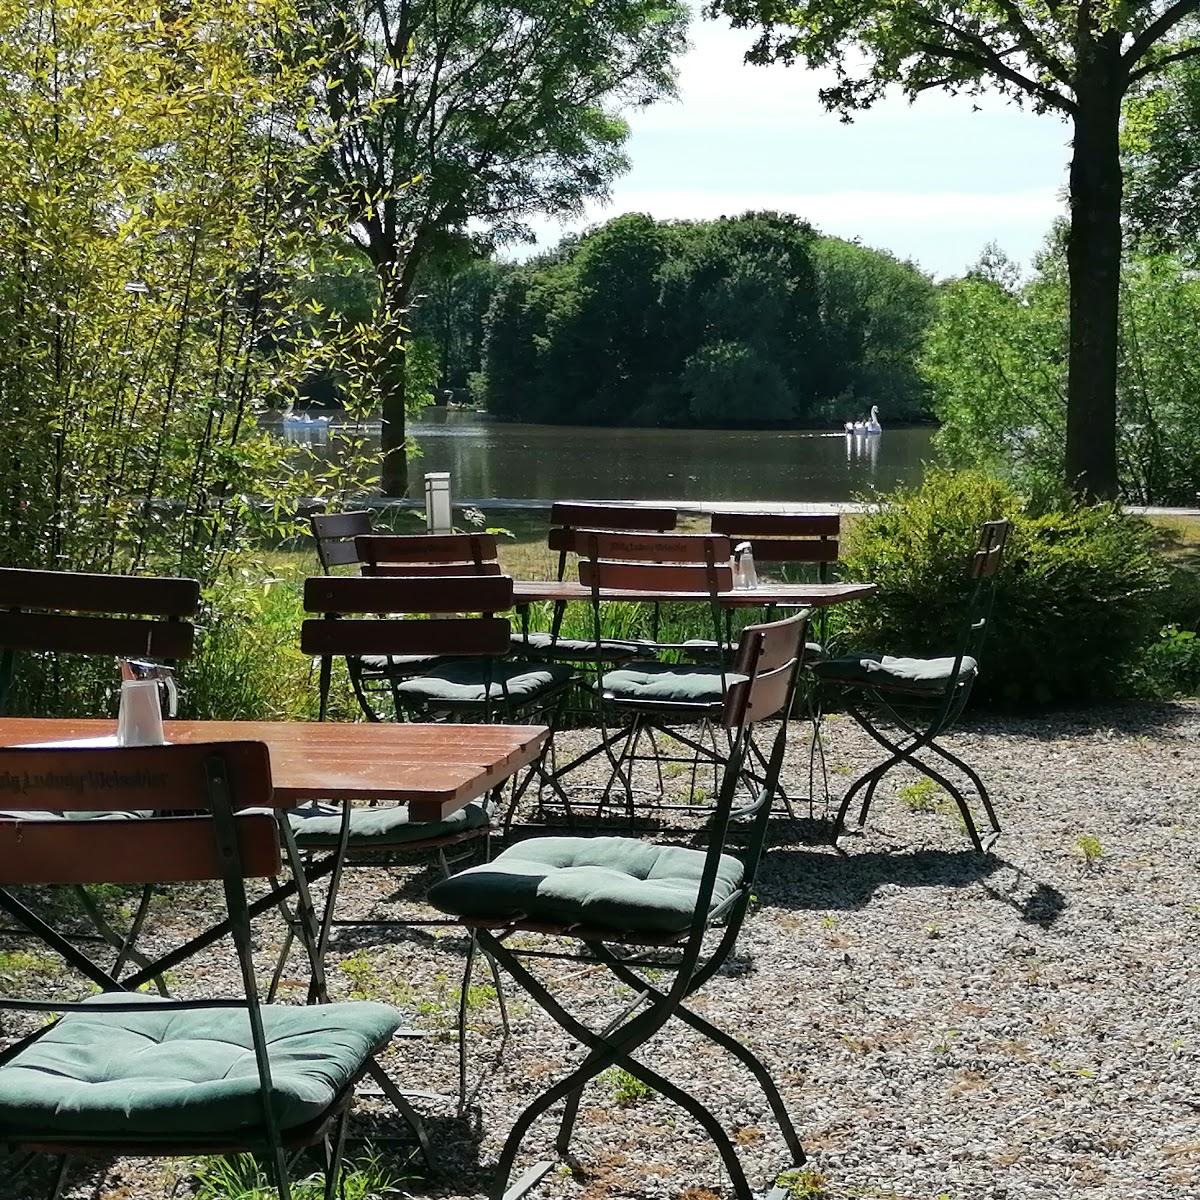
(1089, 846)
(804, 1183)
(922, 796)
(627, 1089)
(19, 965)
(244, 1178)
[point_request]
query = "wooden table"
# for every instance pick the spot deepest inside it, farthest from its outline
(434, 769)
(795, 595)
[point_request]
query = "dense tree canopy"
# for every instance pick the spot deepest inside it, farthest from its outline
(1161, 142)
(457, 116)
(755, 320)
(996, 363)
(1076, 58)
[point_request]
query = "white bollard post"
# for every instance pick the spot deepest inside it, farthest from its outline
(438, 518)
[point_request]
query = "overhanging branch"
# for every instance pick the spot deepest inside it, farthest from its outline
(1162, 25)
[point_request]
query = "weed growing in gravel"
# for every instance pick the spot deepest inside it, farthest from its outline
(803, 1183)
(1091, 849)
(16, 965)
(923, 796)
(944, 1044)
(626, 1088)
(244, 1178)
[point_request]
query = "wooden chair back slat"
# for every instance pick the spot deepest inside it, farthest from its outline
(784, 537)
(770, 655)
(122, 637)
(395, 595)
(134, 778)
(84, 592)
(771, 644)
(446, 636)
(142, 850)
(767, 695)
(655, 577)
(340, 525)
(989, 553)
(334, 534)
(429, 570)
(377, 548)
(744, 525)
(653, 548)
(596, 515)
(339, 553)
(794, 550)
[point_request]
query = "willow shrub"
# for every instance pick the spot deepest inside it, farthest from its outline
(1078, 602)
(155, 231)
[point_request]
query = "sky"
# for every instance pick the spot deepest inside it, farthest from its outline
(933, 181)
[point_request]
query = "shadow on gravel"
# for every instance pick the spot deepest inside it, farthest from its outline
(1132, 719)
(1037, 904)
(802, 878)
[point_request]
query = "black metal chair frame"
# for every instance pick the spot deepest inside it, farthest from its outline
(601, 551)
(922, 718)
(618, 1042)
(225, 771)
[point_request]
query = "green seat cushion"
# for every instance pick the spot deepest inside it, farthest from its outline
(898, 674)
(667, 683)
(397, 664)
(612, 883)
(318, 826)
(465, 681)
(811, 649)
(78, 815)
(184, 1074)
(579, 649)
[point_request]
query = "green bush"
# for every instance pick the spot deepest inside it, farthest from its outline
(1077, 602)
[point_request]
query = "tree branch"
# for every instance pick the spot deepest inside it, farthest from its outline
(997, 66)
(1033, 45)
(1170, 17)
(1158, 63)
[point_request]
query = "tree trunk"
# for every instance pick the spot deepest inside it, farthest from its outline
(390, 380)
(1094, 272)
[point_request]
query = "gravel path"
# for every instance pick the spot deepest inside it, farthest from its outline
(942, 1025)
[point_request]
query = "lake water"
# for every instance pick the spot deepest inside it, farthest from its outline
(498, 460)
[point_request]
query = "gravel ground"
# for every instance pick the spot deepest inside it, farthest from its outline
(942, 1025)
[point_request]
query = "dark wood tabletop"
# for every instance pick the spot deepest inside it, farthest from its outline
(434, 769)
(799, 595)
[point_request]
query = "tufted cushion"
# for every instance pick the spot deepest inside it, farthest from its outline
(463, 681)
(667, 683)
(579, 649)
(812, 650)
(184, 1074)
(897, 674)
(397, 664)
(76, 815)
(613, 883)
(318, 826)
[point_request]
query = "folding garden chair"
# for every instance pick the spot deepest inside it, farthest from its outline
(790, 543)
(688, 565)
(46, 614)
(474, 681)
(632, 905)
(921, 697)
(124, 1073)
(567, 519)
(335, 536)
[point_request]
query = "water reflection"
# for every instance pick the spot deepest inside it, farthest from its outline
(490, 459)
